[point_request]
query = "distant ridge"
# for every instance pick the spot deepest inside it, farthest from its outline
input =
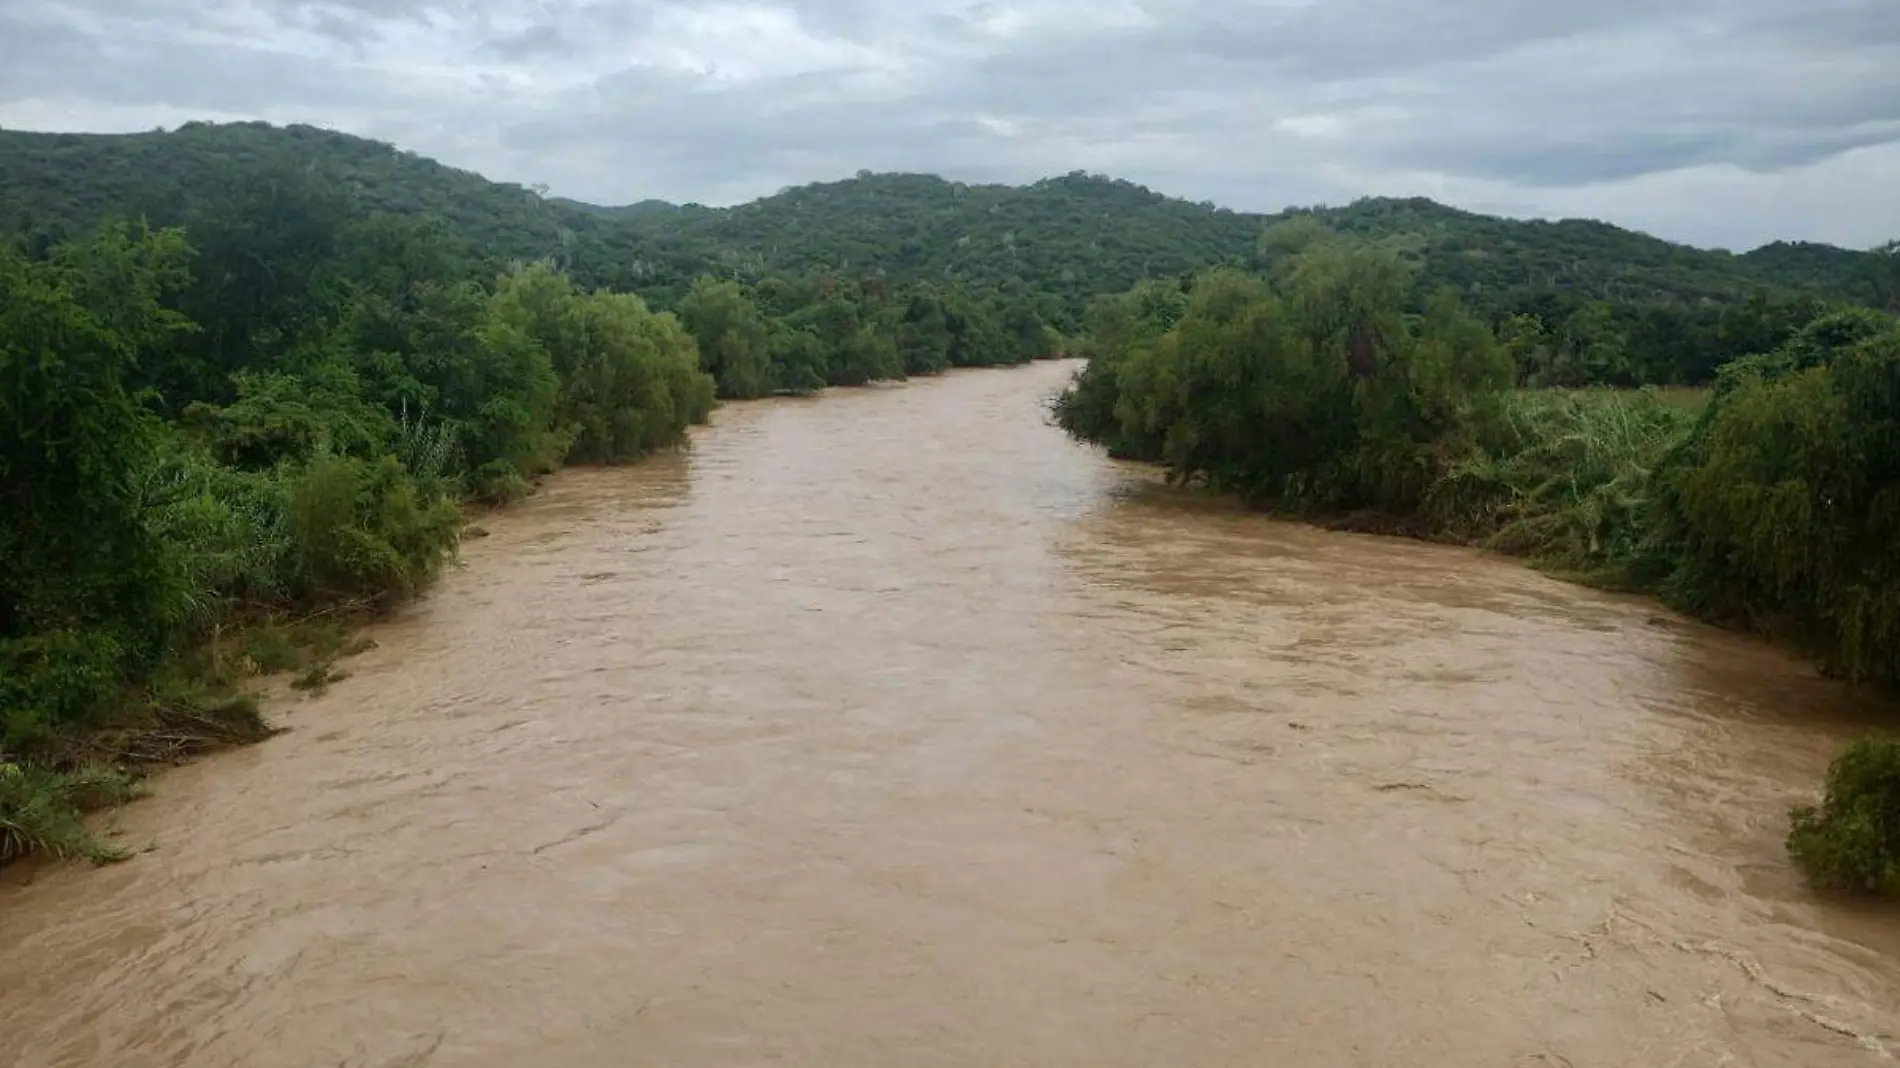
(1073, 236)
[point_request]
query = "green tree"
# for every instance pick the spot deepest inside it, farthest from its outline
(87, 594)
(1783, 507)
(629, 378)
(733, 340)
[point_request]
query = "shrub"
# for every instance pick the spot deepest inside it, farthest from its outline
(364, 531)
(1316, 392)
(629, 378)
(1852, 840)
(53, 679)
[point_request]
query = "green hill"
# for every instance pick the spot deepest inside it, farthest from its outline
(53, 186)
(1080, 235)
(65, 181)
(1073, 237)
(1070, 237)
(1484, 255)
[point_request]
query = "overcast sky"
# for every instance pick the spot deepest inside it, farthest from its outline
(1720, 122)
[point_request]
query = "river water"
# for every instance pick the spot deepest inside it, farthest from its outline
(890, 729)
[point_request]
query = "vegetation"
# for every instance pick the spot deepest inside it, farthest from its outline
(1852, 841)
(1059, 242)
(1782, 508)
(1565, 478)
(1315, 390)
(39, 810)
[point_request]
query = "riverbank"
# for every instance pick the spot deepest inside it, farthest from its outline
(215, 694)
(1772, 507)
(1775, 508)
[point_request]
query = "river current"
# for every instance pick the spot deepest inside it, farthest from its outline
(889, 728)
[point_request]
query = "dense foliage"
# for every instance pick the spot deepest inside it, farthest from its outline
(1782, 508)
(1318, 391)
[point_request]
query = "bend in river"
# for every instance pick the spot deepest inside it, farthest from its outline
(890, 729)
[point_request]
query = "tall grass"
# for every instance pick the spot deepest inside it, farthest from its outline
(1564, 479)
(1688, 399)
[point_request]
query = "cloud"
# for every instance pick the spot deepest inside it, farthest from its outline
(1726, 122)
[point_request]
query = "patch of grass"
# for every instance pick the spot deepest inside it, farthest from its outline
(1690, 399)
(1565, 481)
(45, 793)
(1851, 841)
(41, 810)
(276, 645)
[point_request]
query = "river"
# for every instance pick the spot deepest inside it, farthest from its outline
(890, 729)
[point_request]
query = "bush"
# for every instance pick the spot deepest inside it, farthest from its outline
(1317, 391)
(1852, 841)
(629, 378)
(54, 679)
(364, 531)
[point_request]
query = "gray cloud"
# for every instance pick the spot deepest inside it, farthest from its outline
(542, 39)
(1724, 122)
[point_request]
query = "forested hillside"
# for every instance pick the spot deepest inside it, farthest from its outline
(59, 186)
(1084, 235)
(1071, 237)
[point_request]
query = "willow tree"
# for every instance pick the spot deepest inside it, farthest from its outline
(1783, 508)
(732, 337)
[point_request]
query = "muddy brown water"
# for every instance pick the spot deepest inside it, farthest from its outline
(890, 729)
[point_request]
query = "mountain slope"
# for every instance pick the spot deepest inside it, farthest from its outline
(71, 180)
(1070, 237)
(1078, 235)
(54, 185)
(1073, 236)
